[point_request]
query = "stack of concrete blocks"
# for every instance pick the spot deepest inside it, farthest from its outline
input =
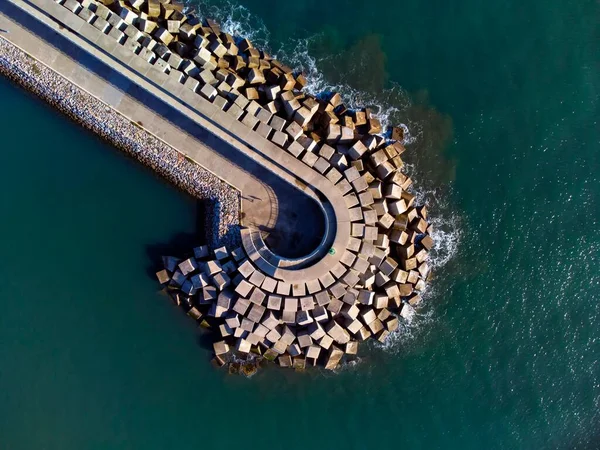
(381, 273)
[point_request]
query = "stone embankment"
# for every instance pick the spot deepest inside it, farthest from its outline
(222, 219)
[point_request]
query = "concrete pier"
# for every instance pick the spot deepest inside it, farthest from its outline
(310, 172)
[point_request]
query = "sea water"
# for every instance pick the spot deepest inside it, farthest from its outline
(500, 101)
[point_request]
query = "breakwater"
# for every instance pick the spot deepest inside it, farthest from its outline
(372, 263)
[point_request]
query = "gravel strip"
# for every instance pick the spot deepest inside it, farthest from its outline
(222, 217)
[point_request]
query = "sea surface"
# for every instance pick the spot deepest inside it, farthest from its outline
(501, 99)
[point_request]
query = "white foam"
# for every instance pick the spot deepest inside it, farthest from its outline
(236, 20)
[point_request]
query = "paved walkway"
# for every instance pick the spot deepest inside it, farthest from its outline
(280, 206)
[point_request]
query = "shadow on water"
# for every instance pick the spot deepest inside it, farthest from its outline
(181, 244)
(205, 339)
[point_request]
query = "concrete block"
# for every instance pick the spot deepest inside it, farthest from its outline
(360, 184)
(335, 306)
(304, 339)
(376, 326)
(163, 276)
(258, 296)
(247, 325)
(333, 358)
(220, 348)
(366, 297)
(303, 318)
(274, 302)
(160, 34)
(334, 175)
(370, 233)
(290, 304)
(287, 335)
(263, 115)
(352, 348)
(100, 24)
(353, 326)
(365, 199)
(242, 346)
(188, 288)
(275, 336)
(319, 313)
(321, 165)
(72, 6)
(277, 123)
(240, 333)
(309, 159)
(246, 269)
(307, 303)
(295, 149)
(249, 120)
(188, 266)
(334, 133)
(294, 350)
(257, 278)
(337, 332)
(283, 288)
(326, 280)
(299, 289)
(212, 267)
(392, 290)
(361, 265)
(233, 320)
(350, 311)
(208, 92)
(256, 312)
(255, 76)
(264, 130)
(241, 306)
(384, 170)
(270, 320)
(279, 138)
(363, 334)
(338, 289)
(302, 116)
(235, 111)
(322, 298)
(344, 188)
(326, 151)
(86, 15)
(192, 84)
(368, 315)
(313, 351)
(221, 280)
(225, 331)
(290, 107)
(117, 23)
(294, 130)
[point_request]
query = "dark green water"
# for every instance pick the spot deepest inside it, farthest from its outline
(502, 100)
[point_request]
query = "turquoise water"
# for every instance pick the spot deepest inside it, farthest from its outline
(502, 101)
